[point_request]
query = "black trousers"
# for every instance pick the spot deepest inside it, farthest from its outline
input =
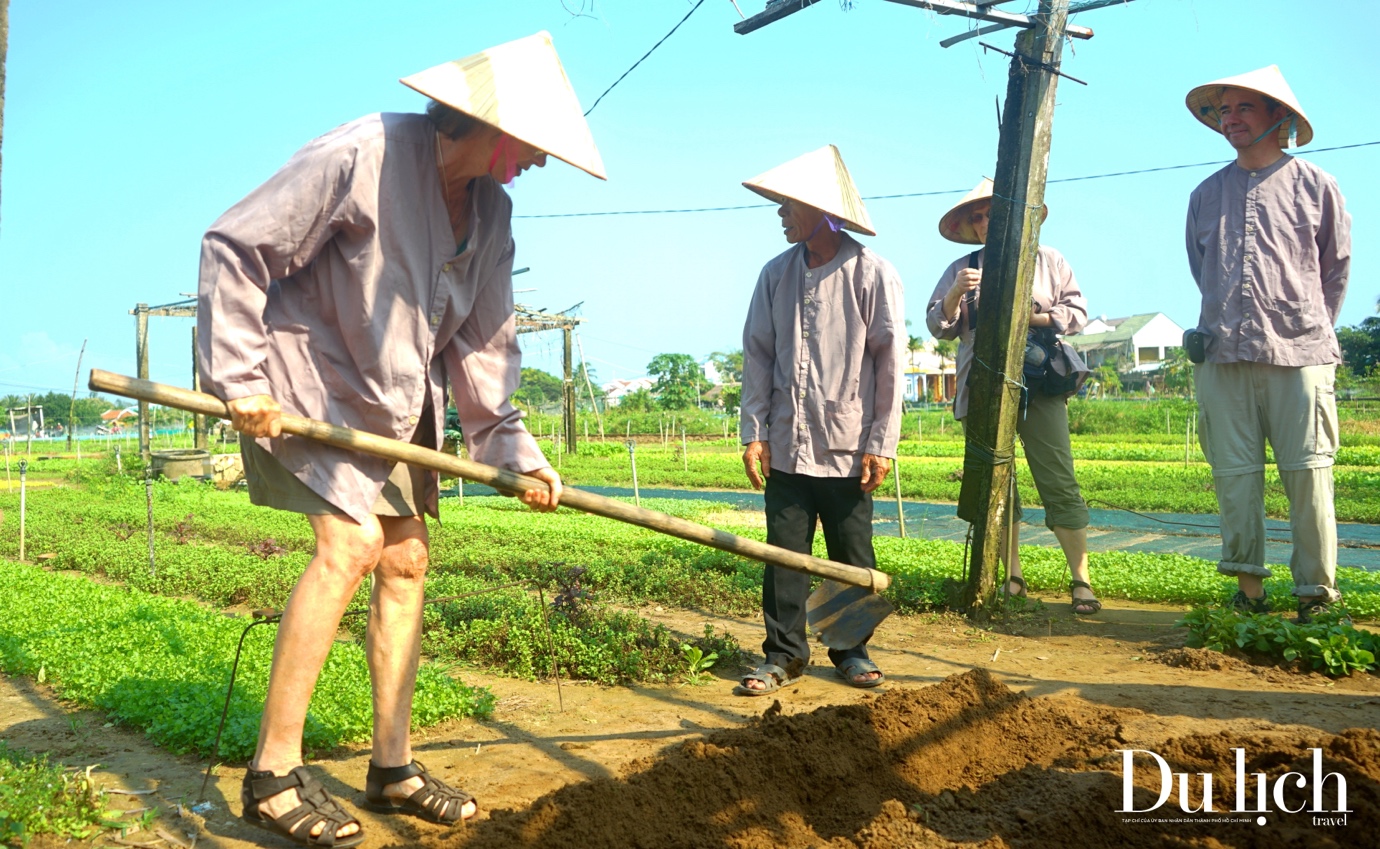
(794, 502)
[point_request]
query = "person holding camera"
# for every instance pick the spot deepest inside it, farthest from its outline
(1269, 245)
(1053, 372)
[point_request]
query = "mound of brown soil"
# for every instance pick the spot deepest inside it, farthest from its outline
(1198, 660)
(966, 762)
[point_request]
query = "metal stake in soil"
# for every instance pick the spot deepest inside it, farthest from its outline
(551, 643)
(632, 459)
(684, 451)
(900, 508)
(119, 464)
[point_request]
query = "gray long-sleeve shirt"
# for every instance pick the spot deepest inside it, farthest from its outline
(822, 361)
(335, 287)
(1054, 292)
(1270, 251)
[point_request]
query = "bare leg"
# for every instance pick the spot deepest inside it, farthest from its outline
(394, 642)
(1012, 545)
(1252, 585)
(1074, 542)
(345, 553)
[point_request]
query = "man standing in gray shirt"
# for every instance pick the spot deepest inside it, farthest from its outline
(821, 408)
(1269, 244)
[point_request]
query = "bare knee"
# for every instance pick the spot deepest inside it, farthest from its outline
(406, 559)
(352, 548)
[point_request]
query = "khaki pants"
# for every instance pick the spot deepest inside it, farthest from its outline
(1240, 406)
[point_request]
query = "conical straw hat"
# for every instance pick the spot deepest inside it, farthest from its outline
(520, 88)
(954, 225)
(1205, 101)
(818, 179)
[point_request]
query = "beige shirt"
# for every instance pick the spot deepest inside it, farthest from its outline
(1271, 251)
(822, 361)
(336, 288)
(1055, 292)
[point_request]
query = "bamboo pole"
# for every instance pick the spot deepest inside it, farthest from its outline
(503, 480)
(632, 460)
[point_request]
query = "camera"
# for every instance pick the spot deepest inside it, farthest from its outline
(1196, 344)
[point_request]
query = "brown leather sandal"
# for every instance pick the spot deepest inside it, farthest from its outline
(1092, 605)
(1018, 581)
(435, 802)
(296, 825)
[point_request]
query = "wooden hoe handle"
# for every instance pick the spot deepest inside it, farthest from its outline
(500, 479)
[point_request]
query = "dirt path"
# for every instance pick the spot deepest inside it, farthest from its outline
(972, 760)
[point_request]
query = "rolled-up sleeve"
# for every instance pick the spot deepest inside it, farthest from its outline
(484, 365)
(277, 230)
(940, 325)
(759, 364)
(887, 343)
(1069, 312)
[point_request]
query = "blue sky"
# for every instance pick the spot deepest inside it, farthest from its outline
(131, 126)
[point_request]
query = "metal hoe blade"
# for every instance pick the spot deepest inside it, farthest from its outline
(844, 616)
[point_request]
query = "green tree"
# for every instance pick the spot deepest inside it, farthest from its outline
(1108, 379)
(678, 380)
(1178, 373)
(729, 365)
(1361, 346)
(637, 401)
(537, 389)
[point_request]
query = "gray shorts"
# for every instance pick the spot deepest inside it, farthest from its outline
(406, 492)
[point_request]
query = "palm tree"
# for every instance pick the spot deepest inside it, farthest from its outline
(946, 350)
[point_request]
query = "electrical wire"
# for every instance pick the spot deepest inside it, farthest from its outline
(926, 194)
(645, 55)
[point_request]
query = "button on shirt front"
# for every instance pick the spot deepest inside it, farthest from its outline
(843, 324)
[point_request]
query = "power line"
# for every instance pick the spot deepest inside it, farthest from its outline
(645, 55)
(925, 194)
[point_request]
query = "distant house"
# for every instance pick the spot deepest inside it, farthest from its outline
(1136, 343)
(614, 390)
(929, 377)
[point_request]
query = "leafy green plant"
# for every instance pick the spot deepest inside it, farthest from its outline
(698, 664)
(161, 665)
(1328, 644)
(37, 797)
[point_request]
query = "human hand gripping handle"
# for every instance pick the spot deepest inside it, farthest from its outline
(757, 457)
(256, 416)
(874, 471)
(548, 500)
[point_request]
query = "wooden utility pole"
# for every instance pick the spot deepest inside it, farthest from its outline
(568, 393)
(198, 420)
(995, 385)
(141, 313)
(141, 354)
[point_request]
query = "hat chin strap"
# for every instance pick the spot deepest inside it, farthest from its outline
(1293, 130)
(834, 226)
(508, 151)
